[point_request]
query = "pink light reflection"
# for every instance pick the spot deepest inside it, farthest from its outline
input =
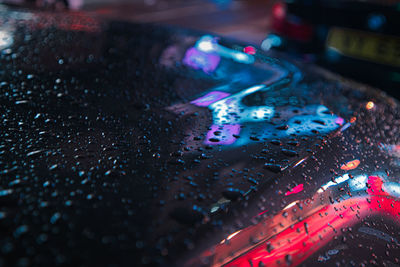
(339, 120)
(295, 190)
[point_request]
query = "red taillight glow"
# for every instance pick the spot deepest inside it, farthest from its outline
(293, 29)
(279, 10)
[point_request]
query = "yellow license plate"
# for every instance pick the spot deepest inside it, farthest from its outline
(384, 49)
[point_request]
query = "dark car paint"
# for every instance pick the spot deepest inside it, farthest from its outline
(105, 158)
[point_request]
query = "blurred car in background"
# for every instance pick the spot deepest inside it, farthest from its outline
(360, 39)
(44, 4)
(57, 4)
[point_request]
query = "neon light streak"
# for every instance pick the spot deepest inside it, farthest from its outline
(300, 240)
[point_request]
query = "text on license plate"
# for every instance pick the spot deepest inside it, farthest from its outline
(384, 49)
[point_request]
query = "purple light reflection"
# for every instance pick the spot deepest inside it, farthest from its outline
(226, 134)
(197, 59)
(209, 98)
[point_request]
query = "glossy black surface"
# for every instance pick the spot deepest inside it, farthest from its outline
(125, 144)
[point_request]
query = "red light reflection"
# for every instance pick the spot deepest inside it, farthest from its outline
(295, 190)
(249, 50)
(309, 235)
(279, 10)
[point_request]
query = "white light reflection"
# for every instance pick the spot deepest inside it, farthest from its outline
(223, 109)
(208, 44)
(6, 39)
(359, 182)
(271, 41)
(392, 188)
(347, 125)
(337, 181)
(299, 162)
(290, 205)
(230, 236)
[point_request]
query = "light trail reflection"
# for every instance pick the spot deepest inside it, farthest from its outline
(322, 222)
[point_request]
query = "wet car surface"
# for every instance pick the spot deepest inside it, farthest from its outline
(126, 144)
